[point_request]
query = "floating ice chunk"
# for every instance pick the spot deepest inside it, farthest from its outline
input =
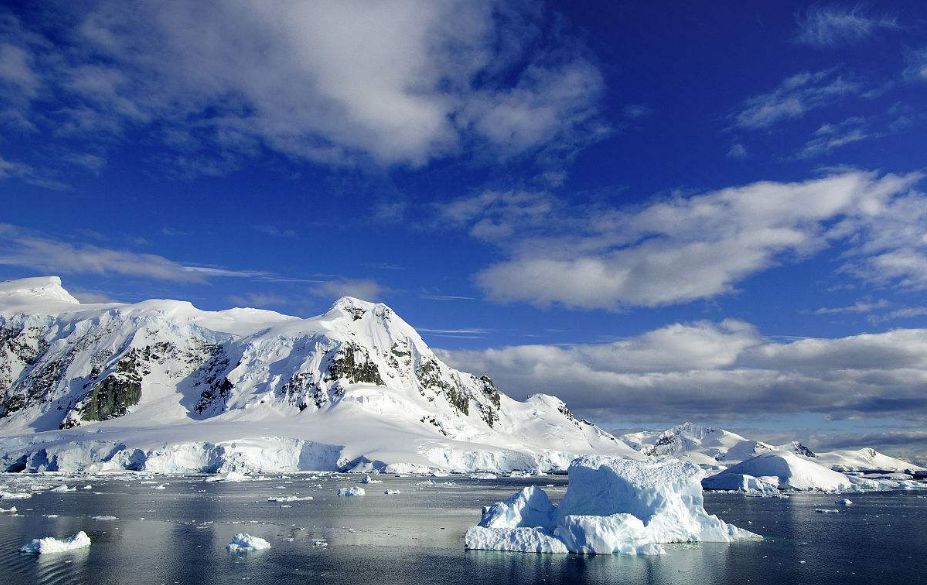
(53, 545)
(10, 510)
(391, 492)
(844, 502)
(232, 476)
(367, 479)
(104, 518)
(160, 487)
(87, 487)
(482, 476)
(826, 511)
(754, 486)
(242, 543)
(352, 491)
(290, 499)
(63, 489)
(15, 495)
(611, 506)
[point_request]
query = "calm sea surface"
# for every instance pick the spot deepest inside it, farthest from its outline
(178, 535)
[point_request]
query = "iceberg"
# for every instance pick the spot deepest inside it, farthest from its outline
(611, 506)
(788, 470)
(50, 544)
(242, 543)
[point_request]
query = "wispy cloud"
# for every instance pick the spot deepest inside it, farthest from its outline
(832, 136)
(685, 248)
(857, 307)
(832, 25)
(363, 288)
(258, 300)
(794, 97)
(28, 249)
(916, 69)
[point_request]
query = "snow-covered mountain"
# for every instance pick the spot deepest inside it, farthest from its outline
(714, 448)
(164, 386)
(703, 445)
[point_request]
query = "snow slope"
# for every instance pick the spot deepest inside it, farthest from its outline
(163, 386)
(865, 460)
(611, 506)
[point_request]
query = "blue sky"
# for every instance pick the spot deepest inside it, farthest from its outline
(589, 184)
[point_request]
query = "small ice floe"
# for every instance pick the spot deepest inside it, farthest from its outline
(844, 502)
(53, 545)
(104, 518)
(232, 476)
(352, 491)
(319, 543)
(62, 489)
(15, 495)
(367, 479)
(49, 515)
(242, 543)
(391, 492)
(290, 499)
(160, 487)
(826, 511)
(10, 510)
(87, 487)
(482, 476)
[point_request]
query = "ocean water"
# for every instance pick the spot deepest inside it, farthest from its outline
(178, 535)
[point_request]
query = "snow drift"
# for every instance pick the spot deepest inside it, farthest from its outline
(611, 506)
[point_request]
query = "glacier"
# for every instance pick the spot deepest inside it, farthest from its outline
(611, 506)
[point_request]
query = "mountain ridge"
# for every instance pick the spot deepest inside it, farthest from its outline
(357, 380)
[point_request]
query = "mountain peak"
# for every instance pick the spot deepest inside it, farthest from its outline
(35, 291)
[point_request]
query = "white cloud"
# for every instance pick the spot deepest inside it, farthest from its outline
(794, 97)
(916, 65)
(832, 136)
(362, 288)
(738, 152)
(686, 248)
(857, 307)
(716, 369)
(825, 25)
(20, 247)
(399, 82)
(258, 300)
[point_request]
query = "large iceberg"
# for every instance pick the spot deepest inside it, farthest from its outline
(611, 506)
(788, 470)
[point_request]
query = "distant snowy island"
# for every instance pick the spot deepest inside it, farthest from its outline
(161, 386)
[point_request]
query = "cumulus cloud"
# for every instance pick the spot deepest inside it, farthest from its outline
(826, 26)
(708, 369)
(398, 82)
(793, 98)
(686, 248)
